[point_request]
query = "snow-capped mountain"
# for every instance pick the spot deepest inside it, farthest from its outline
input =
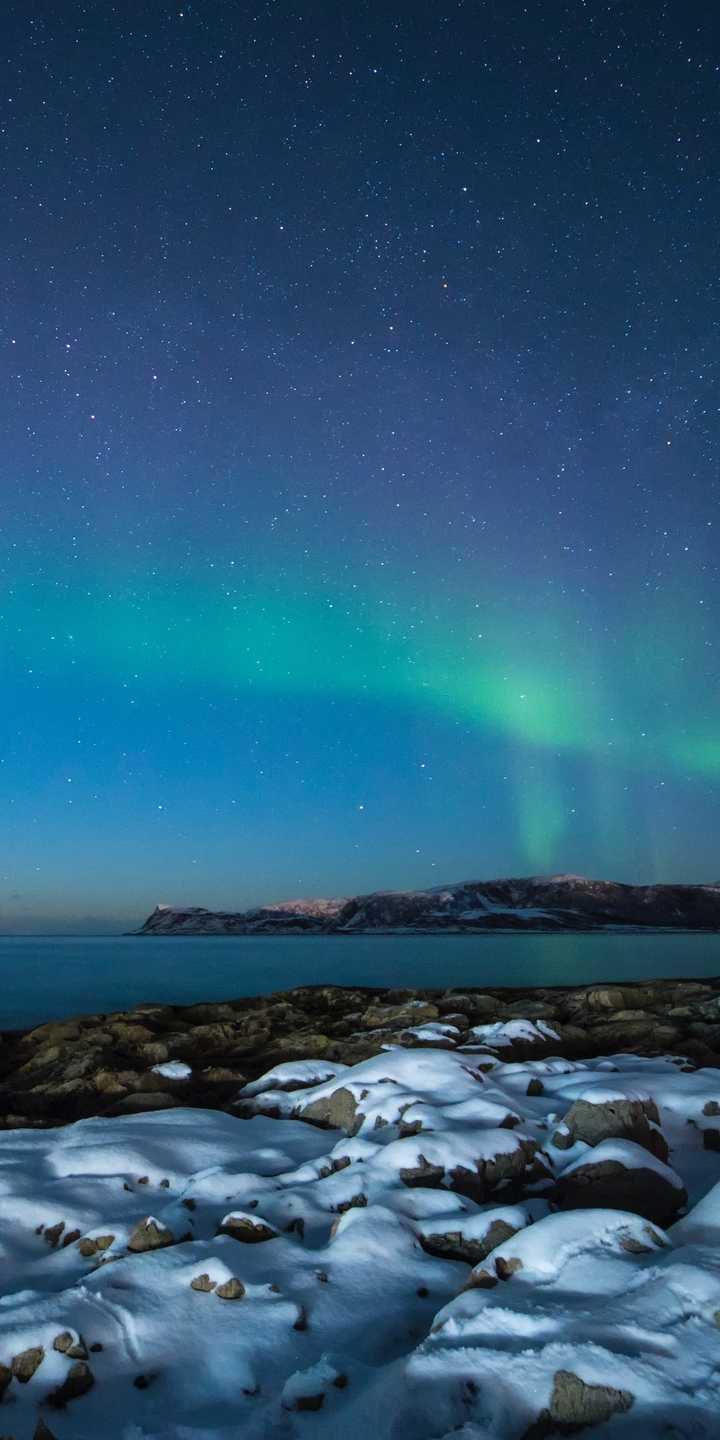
(555, 902)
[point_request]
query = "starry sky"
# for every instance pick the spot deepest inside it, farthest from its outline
(359, 448)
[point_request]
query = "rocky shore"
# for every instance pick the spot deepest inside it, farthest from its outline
(157, 1057)
(423, 1220)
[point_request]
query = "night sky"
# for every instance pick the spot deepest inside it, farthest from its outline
(358, 448)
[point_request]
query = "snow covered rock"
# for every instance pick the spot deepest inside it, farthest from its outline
(247, 1228)
(622, 1175)
(150, 1234)
(613, 1115)
(470, 1237)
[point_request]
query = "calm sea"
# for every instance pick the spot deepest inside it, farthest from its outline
(49, 977)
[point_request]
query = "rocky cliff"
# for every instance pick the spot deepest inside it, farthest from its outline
(556, 902)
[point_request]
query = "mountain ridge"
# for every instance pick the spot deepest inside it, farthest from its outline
(539, 903)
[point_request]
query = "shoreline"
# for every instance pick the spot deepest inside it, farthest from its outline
(111, 1062)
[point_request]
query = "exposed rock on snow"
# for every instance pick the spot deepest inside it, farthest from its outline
(574, 1404)
(416, 1283)
(149, 1234)
(613, 1115)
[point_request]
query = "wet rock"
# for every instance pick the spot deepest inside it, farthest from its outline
(150, 1234)
(574, 1405)
(27, 1362)
(77, 1382)
(5, 1378)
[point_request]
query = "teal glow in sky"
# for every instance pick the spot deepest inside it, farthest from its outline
(360, 453)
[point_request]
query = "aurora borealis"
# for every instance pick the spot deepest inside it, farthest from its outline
(360, 450)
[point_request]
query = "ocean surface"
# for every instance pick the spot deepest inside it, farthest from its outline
(44, 978)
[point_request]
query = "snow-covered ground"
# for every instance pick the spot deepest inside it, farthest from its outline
(448, 1259)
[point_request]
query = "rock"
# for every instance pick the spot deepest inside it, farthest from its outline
(91, 1245)
(52, 1233)
(55, 1031)
(27, 1362)
(336, 1111)
(70, 1345)
(232, 1289)
(203, 1283)
(149, 1234)
(112, 1083)
(141, 1101)
(453, 1245)
(618, 1118)
(605, 998)
(155, 1053)
(622, 1035)
(529, 1010)
(521, 1163)
(5, 1378)
(247, 1230)
(398, 1017)
(603, 1182)
(78, 1381)
(41, 1431)
(310, 1402)
(574, 1404)
(130, 1036)
(222, 1075)
(535, 1087)
(479, 1007)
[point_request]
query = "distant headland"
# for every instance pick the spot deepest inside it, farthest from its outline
(540, 903)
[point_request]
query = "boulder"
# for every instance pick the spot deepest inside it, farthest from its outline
(616, 1117)
(615, 1177)
(41, 1431)
(575, 1405)
(232, 1289)
(398, 1017)
(336, 1111)
(454, 1245)
(71, 1345)
(78, 1381)
(203, 1283)
(604, 997)
(27, 1362)
(141, 1101)
(150, 1234)
(246, 1229)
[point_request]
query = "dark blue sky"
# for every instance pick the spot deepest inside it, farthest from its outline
(359, 464)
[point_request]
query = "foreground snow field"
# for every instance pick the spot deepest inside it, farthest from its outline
(468, 1249)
